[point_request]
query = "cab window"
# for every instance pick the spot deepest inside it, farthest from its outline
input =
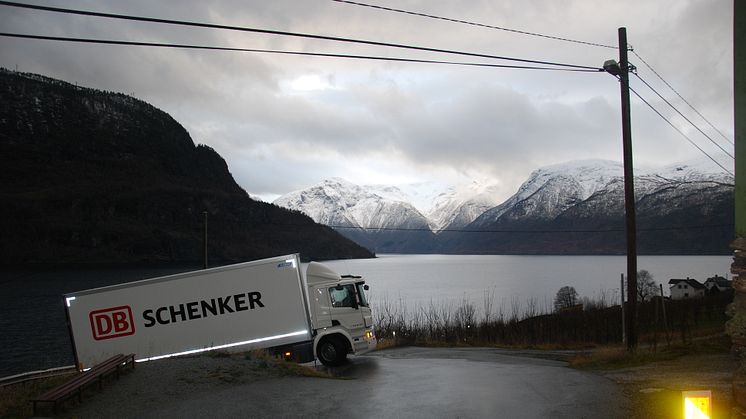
(342, 297)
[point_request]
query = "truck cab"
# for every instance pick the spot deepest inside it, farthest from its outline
(341, 318)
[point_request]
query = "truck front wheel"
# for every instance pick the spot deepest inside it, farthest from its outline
(331, 352)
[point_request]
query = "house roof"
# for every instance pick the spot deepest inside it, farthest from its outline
(691, 281)
(719, 281)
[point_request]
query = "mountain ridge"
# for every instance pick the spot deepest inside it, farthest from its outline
(586, 198)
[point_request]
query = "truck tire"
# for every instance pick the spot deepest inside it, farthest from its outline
(331, 352)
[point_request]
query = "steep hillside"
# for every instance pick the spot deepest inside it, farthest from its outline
(99, 177)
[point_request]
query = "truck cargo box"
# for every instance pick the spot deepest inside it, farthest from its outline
(249, 305)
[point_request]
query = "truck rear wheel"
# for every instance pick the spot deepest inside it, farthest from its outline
(331, 352)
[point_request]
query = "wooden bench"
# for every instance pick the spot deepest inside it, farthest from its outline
(59, 394)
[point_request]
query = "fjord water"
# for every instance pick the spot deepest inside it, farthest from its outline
(34, 331)
(418, 280)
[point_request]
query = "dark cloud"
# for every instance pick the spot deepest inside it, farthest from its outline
(367, 118)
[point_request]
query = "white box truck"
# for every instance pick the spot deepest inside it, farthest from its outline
(260, 304)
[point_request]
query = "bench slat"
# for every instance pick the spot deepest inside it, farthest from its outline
(76, 384)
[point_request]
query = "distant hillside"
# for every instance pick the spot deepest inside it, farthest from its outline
(99, 177)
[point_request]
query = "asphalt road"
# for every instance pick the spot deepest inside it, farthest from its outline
(396, 383)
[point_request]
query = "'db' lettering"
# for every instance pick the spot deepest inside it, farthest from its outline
(103, 325)
(121, 322)
(111, 322)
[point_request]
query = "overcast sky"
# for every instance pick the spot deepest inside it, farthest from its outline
(283, 123)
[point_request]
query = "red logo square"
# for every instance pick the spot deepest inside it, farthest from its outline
(112, 322)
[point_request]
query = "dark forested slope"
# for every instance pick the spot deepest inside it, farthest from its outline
(99, 177)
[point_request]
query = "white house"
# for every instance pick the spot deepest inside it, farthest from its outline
(718, 284)
(686, 288)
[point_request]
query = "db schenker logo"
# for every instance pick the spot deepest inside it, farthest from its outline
(112, 322)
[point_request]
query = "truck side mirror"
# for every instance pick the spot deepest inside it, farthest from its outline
(366, 287)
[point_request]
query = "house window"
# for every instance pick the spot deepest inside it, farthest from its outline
(686, 294)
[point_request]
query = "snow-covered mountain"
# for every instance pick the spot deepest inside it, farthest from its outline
(382, 224)
(574, 195)
(456, 207)
(551, 190)
(339, 203)
(428, 205)
(578, 207)
(444, 206)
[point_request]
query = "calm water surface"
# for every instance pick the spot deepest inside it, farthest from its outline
(419, 279)
(34, 332)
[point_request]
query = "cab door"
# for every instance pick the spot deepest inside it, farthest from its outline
(345, 309)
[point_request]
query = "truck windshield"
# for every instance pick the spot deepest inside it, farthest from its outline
(361, 294)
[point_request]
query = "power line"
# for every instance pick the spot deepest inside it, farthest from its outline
(282, 52)
(284, 33)
(681, 97)
(679, 131)
(481, 25)
(682, 115)
(545, 231)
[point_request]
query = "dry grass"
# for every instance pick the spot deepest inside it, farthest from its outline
(532, 326)
(612, 357)
(265, 360)
(15, 399)
(615, 357)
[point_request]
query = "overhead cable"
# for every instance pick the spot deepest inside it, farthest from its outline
(282, 52)
(481, 25)
(682, 98)
(679, 131)
(683, 116)
(284, 33)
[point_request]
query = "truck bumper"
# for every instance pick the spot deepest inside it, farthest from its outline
(365, 344)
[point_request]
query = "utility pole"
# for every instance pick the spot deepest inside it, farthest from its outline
(624, 328)
(629, 195)
(621, 70)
